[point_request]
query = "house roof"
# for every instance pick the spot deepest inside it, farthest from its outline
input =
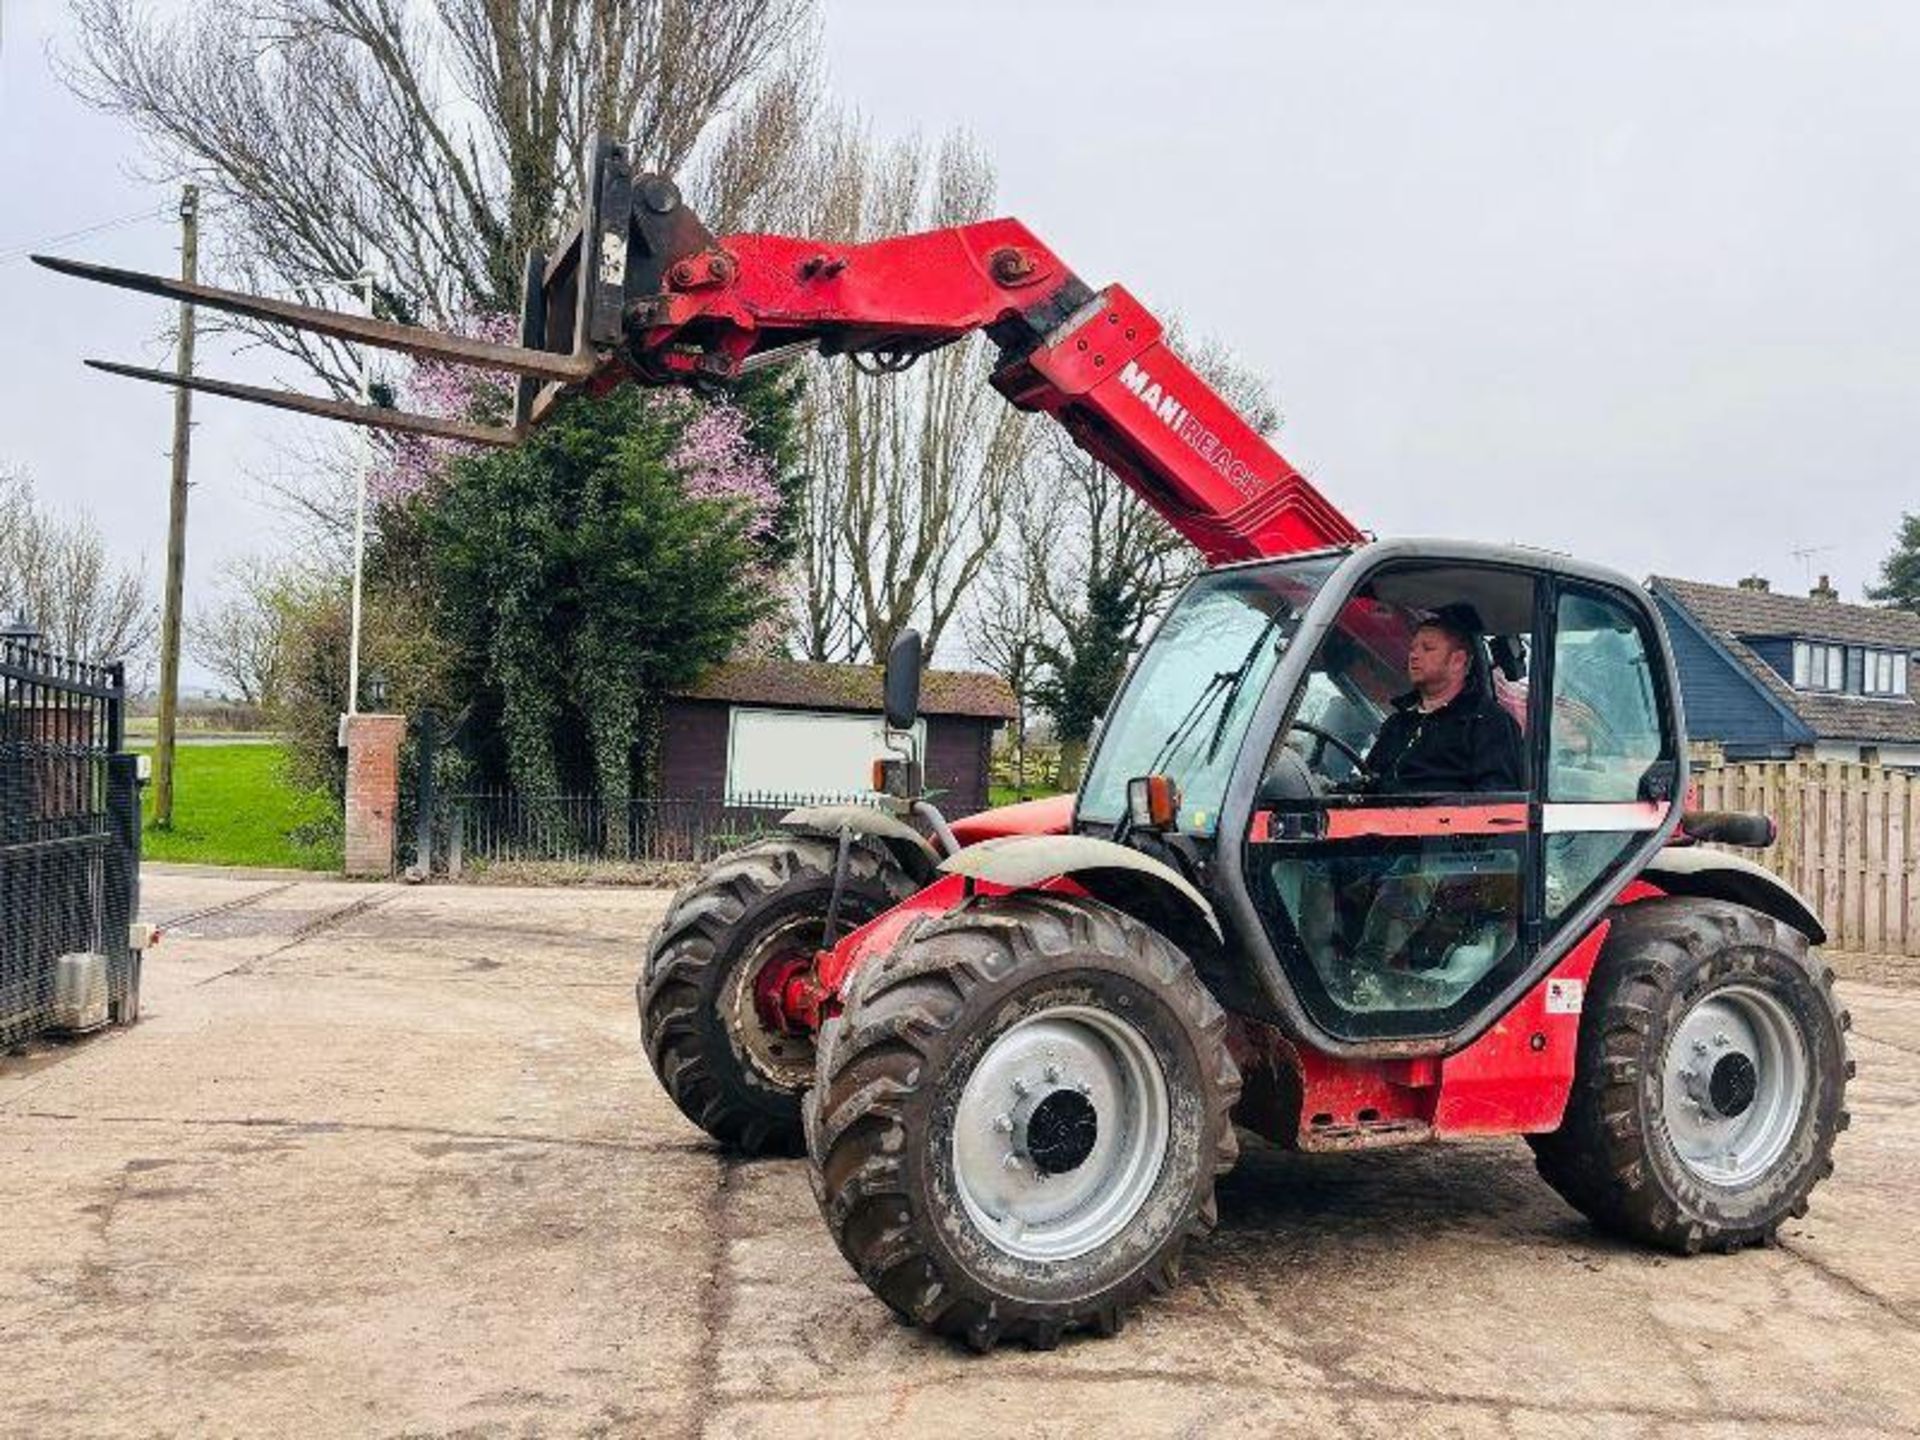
(810, 685)
(1732, 616)
(1730, 610)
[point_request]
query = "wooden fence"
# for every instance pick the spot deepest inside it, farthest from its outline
(1849, 841)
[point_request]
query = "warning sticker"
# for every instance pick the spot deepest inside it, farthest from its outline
(1564, 996)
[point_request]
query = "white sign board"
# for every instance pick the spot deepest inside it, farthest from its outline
(802, 752)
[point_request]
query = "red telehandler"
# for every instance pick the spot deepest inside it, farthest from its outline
(1015, 1047)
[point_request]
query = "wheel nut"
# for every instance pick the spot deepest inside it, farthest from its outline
(1003, 1123)
(1052, 1073)
(1083, 1087)
(1012, 1162)
(1019, 1087)
(1720, 1039)
(1699, 1047)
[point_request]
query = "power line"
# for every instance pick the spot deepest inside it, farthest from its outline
(20, 252)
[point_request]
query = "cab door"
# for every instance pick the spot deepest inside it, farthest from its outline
(1395, 911)
(1401, 916)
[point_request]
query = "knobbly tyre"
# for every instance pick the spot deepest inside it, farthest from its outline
(1014, 1048)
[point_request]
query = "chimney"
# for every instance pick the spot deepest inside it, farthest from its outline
(1755, 582)
(1824, 591)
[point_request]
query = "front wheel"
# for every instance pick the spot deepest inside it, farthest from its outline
(753, 916)
(1710, 1082)
(1019, 1116)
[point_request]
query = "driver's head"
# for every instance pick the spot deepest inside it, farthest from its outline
(1439, 658)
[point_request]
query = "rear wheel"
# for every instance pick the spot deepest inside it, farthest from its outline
(1710, 1083)
(1019, 1117)
(754, 916)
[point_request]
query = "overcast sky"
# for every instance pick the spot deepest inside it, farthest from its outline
(1640, 282)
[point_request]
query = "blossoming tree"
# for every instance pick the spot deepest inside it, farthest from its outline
(569, 583)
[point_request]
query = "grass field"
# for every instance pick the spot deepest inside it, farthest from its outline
(233, 805)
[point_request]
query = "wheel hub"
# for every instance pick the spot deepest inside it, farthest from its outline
(1734, 1082)
(1736, 1078)
(756, 1011)
(1060, 1133)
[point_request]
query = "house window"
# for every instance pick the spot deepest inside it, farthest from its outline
(1884, 673)
(1819, 667)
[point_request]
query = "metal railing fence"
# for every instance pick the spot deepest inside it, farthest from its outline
(500, 826)
(69, 831)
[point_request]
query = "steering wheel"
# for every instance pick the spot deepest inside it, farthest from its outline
(1325, 738)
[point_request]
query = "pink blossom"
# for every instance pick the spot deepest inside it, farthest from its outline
(714, 459)
(458, 392)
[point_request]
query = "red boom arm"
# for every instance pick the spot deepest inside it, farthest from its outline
(1098, 363)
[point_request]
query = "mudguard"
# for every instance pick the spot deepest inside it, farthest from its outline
(909, 846)
(1688, 870)
(1101, 867)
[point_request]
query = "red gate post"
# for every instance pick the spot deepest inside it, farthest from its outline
(373, 791)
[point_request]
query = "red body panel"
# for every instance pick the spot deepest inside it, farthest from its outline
(1407, 821)
(1049, 815)
(882, 933)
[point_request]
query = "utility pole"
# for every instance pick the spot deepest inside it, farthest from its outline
(176, 523)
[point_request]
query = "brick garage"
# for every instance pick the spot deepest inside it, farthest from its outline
(796, 727)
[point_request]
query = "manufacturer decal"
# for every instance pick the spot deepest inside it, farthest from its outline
(1177, 418)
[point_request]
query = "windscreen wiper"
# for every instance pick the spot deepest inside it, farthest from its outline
(1238, 678)
(1184, 727)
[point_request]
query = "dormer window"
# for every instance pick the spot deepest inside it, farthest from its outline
(1884, 673)
(1819, 667)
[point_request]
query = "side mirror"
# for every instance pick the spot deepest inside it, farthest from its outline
(902, 686)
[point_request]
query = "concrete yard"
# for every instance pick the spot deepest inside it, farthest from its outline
(384, 1161)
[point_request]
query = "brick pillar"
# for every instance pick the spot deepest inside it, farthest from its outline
(373, 791)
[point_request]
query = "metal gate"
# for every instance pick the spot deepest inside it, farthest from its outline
(69, 840)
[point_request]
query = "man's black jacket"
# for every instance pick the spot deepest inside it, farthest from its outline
(1470, 744)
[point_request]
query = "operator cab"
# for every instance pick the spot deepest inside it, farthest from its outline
(1380, 913)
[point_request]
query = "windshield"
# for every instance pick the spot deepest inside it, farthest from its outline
(1186, 706)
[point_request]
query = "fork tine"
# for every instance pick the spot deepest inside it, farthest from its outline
(369, 415)
(413, 339)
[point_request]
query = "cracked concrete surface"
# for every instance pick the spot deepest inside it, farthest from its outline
(389, 1161)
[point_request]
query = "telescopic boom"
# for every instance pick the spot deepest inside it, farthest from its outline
(641, 290)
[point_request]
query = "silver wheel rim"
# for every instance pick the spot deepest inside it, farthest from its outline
(1734, 1085)
(1061, 1133)
(786, 1060)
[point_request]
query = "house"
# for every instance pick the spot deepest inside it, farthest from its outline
(1774, 676)
(798, 728)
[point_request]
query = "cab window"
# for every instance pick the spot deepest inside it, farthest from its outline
(1609, 757)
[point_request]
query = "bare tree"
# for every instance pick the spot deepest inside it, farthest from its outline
(242, 636)
(1102, 565)
(910, 472)
(1007, 627)
(438, 143)
(55, 572)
